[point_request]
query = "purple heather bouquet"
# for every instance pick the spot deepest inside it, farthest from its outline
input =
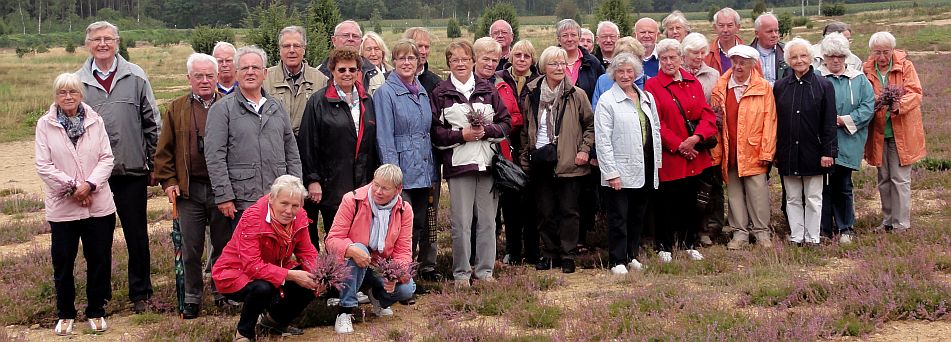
(66, 190)
(393, 271)
(477, 118)
(329, 271)
(890, 98)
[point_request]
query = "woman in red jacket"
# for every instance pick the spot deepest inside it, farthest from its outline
(257, 265)
(680, 103)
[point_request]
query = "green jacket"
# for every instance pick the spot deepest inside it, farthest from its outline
(854, 104)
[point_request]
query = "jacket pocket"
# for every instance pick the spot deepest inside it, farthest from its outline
(754, 140)
(243, 183)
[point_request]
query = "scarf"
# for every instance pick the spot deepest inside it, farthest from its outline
(283, 232)
(72, 124)
(520, 80)
(381, 222)
(465, 88)
(411, 87)
(548, 95)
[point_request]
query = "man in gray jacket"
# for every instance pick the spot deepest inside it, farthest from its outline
(249, 141)
(120, 92)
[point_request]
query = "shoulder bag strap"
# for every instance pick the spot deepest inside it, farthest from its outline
(681, 109)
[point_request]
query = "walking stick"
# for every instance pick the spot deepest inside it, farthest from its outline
(179, 264)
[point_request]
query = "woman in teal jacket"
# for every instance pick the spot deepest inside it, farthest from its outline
(854, 103)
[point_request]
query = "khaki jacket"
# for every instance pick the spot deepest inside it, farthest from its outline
(907, 124)
(276, 85)
(577, 128)
(755, 126)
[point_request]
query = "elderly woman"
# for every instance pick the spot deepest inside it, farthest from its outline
(556, 141)
(627, 135)
(337, 143)
(854, 107)
(605, 82)
(676, 26)
(805, 140)
(404, 117)
(695, 48)
(686, 125)
(583, 68)
(374, 50)
(374, 223)
(851, 61)
(468, 117)
(896, 134)
(745, 100)
(74, 160)
(587, 40)
(265, 265)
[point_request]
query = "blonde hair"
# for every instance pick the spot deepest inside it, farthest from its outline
(525, 46)
(379, 42)
(549, 53)
(485, 45)
(629, 45)
(68, 81)
(389, 173)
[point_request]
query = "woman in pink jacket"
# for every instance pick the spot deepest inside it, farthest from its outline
(373, 222)
(74, 160)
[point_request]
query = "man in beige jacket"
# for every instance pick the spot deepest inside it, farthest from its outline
(292, 81)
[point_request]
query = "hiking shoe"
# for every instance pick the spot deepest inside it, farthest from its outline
(845, 239)
(270, 326)
(140, 306)
(635, 265)
(191, 311)
(567, 266)
(740, 240)
(665, 257)
(64, 327)
(362, 298)
(378, 309)
(694, 255)
(705, 240)
(619, 269)
(344, 324)
(546, 264)
(98, 324)
(763, 240)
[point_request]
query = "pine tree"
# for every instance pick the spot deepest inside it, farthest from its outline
(322, 16)
(452, 29)
(264, 24)
(618, 12)
(758, 9)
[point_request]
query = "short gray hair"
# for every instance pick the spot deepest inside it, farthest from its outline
(759, 19)
(250, 49)
(835, 44)
(727, 11)
(200, 57)
(835, 26)
(695, 41)
(673, 17)
(566, 24)
(348, 21)
(292, 29)
(224, 45)
(605, 24)
(623, 60)
(389, 173)
(288, 184)
(586, 32)
(549, 53)
(668, 44)
(69, 81)
(96, 26)
(792, 43)
(882, 37)
(485, 45)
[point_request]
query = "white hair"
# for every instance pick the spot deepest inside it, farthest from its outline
(96, 26)
(695, 42)
(759, 19)
(566, 24)
(224, 45)
(794, 42)
(586, 32)
(727, 11)
(607, 24)
(625, 59)
(288, 184)
(250, 49)
(379, 41)
(882, 37)
(337, 28)
(673, 17)
(485, 45)
(389, 173)
(292, 29)
(668, 44)
(835, 44)
(200, 57)
(68, 81)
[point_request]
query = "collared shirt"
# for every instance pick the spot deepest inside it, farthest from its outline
(294, 80)
(738, 88)
(104, 74)
(767, 58)
(725, 62)
(257, 105)
(352, 100)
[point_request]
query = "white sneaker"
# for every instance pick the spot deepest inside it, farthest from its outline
(344, 324)
(64, 327)
(845, 239)
(98, 324)
(378, 309)
(619, 270)
(694, 255)
(665, 257)
(635, 265)
(362, 298)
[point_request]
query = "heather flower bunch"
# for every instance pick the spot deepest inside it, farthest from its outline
(329, 271)
(890, 98)
(477, 118)
(65, 190)
(393, 271)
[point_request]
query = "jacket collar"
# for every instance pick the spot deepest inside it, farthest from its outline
(666, 80)
(332, 95)
(86, 74)
(259, 218)
(536, 84)
(807, 78)
(849, 72)
(394, 81)
(898, 62)
(757, 85)
(620, 96)
(91, 115)
(482, 87)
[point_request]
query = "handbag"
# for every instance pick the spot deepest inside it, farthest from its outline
(704, 193)
(507, 175)
(705, 144)
(547, 156)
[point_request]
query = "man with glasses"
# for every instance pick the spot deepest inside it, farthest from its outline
(121, 93)
(347, 35)
(292, 81)
(224, 54)
(249, 141)
(608, 34)
(501, 31)
(180, 168)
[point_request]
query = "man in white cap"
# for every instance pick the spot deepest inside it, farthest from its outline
(743, 95)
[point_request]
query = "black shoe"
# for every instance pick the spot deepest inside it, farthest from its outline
(191, 311)
(140, 306)
(546, 264)
(267, 325)
(431, 276)
(421, 289)
(568, 266)
(410, 301)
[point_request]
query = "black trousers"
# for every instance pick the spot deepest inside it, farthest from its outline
(626, 210)
(590, 203)
(195, 214)
(558, 214)
(679, 218)
(130, 194)
(325, 211)
(96, 236)
(715, 218)
(260, 296)
(521, 229)
(423, 250)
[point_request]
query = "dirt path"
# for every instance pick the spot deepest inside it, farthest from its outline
(17, 169)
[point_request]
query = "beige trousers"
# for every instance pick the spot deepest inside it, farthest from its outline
(894, 186)
(748, 201)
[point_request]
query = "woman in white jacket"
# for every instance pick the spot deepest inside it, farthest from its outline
(627, 136)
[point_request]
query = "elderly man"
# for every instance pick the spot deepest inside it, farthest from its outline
(646, 31)
(423, 40)
(121, 93)
(224, 54)
(347, 35)
(726, 23)
(852, 61)
(180, 168)
(607, 35)
(766, 28)
(749, 115)
(249, 141)
(292, 81)
(501, 31)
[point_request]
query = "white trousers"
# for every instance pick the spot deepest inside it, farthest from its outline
(804, 207)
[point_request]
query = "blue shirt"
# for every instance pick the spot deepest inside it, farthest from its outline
(651, 65)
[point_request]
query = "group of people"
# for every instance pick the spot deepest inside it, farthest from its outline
(643, 130)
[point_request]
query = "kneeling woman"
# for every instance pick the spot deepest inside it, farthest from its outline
(257, 268)
(373, 220)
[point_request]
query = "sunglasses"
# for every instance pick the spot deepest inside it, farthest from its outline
(351, 70)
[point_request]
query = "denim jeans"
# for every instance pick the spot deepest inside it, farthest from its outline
(838, 210)
(366, 276)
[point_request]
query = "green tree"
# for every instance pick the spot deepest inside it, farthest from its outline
(264, 24)
(499, 11)
(758, 9)
(204, 38)
(833, 9)
(618, 12)
(643, 6)
(452, 29)
(123, 50)
(785, 24)
(377, 20)
(322, 16)
(567, 9)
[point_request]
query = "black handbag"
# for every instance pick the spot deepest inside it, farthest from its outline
(704, 192)
(507, 175)
(547, 155)
(705, 144)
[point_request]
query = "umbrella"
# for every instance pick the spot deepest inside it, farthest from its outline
(179, 264)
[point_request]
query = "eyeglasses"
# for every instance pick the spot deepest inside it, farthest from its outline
(499, 33)
(351, 70)
(487, 59)
(568, 35)
(103, 40)
(881, 52)
(202, 77)
(251, 68)
(459, 60)
(292, 46)
(65, 92)
(557, 64)
(608, 36)
(407, 59)
(352, 36)
(520, 55)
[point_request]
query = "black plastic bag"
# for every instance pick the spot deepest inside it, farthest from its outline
(508, 176)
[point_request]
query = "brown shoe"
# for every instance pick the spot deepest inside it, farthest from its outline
(740, 240)
(241, 338)
(705, 240)
(763, 240)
